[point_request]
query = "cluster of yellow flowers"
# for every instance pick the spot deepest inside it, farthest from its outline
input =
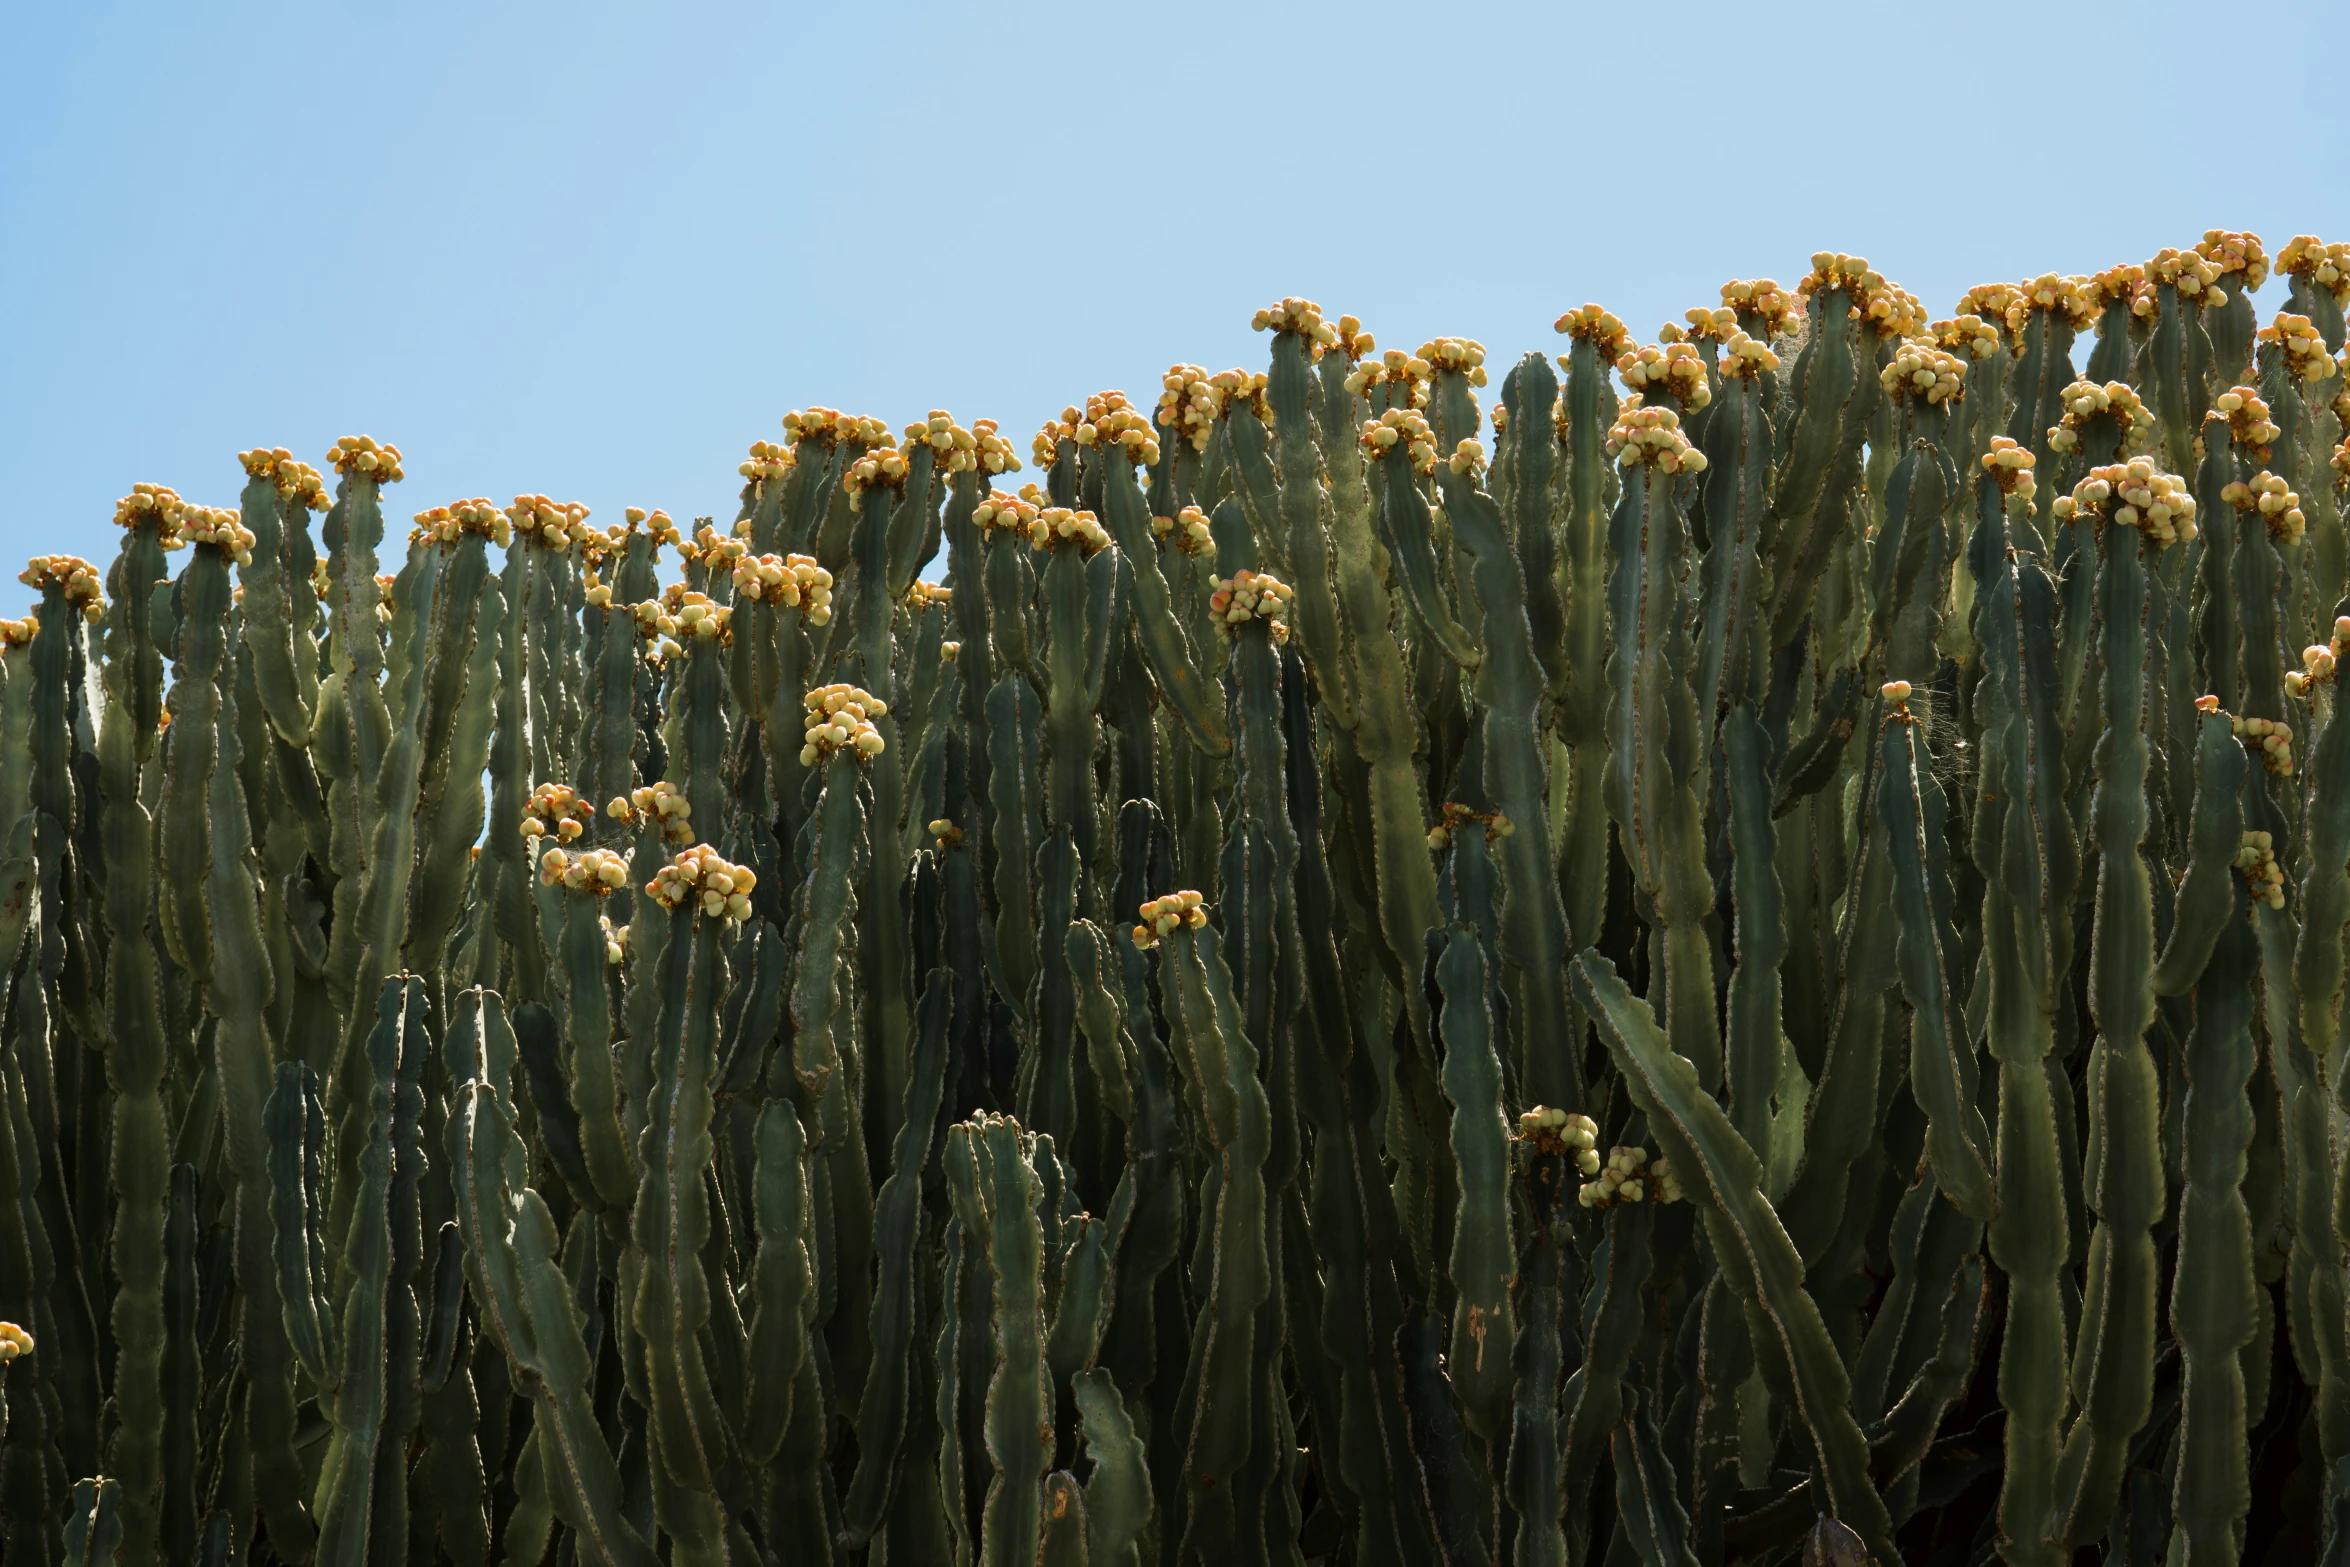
(1187, 530)
(597, 871)
(1056, 525)
(296, 481)
(1108, 419)
(1191, 400)
(2192, 273)
(716, 551)
(2328, 266)
(1673, 369)
(615, 940)
(2086, 400)
(219, 527)
(1715, 325)
(2156, 503)
(1463, 355)
(1457, 816)
(2249, 425)
(2264, 878)
(841, 717)
(14, 1341)
(2306, 354)
(2231, 252)
(1394, 368)
(384, 607)
(1896, 695)
(1651, 438)
(1252, 595)
(2319, 660)
(1468, 456)
(883, 466)
(447, 524)
(1589, 323)
(20, 633)
(2272, 739)
(156, 503)
(949, 836)
(2274, 499)
(922, 593)
(559, 805)
(703, 878)
(1919, 371)
(661, 803)
(2125, 284)
(1301, 316)
(2340, 461)
(1746, 358)
(1968, 336)
(768, 460)
(1405, 427)
(830, 427)
(2010, 467)
(1890, 310)
(74, 578)
(1761, 299)
(685, 614)
(656, 523)
(361, 455)
(1001, 513)
(1621, 1180)
(1164, 916)
(555, 524)
(2001, 304)
(1548, 1130)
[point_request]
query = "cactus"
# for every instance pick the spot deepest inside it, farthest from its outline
(1321, 994)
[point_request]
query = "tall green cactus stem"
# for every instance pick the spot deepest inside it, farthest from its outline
(2317, 980)
(1019, 1406)
(1126, 514)
(826, 904)
(2113, 1362)
(1484, 1252)
(1659, 752)
(671, 1302)
(1585, 414)
(136, 1059)
(595, 1077)
(1942, 1058)
(2213, 1296)
(1509, 685)
(454, 742)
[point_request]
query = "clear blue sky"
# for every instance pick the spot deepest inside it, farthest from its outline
(596, 250)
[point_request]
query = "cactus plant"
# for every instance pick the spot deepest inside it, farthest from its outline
(1736, 957)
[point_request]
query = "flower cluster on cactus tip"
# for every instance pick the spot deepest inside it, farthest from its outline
(2010, 467)
(1921, 371)
(1763, 302)
(2137, 495)
(1165, 916)
(1746, 358)
(1301, 316)
(1252, 595)
(1463, 355)
(1598, 327)
(2270, 740)
(768, 460)
(840, 718)
(1672, 370)
(555, 808)
(2320, 660)
(1052, 526)
(2086, 400)
(2231, 252)
(1404, 427)
(1548, 1130)
(2264, 878)
(219, 527)
(597, 871)
(14, 1341)
(2276, 501)
(1107, 422)
(1458, 816)
(1187, 530)
(702, 879)
(158, 504)
(359, 455)
(477, 515)
(2327, 266)
(660, 804)
(2306, 356)
(74, 579)
(1887, 308)
(792, 580)
(1630, 1176)
(1644, 437)
(2249, 425)
(296, 481)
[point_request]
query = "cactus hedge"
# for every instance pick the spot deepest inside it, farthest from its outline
(1730, 951)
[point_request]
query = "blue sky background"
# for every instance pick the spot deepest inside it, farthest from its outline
(595, 250)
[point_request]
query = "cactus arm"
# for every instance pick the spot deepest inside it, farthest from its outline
(95, 1531)
(2214, 1299)
(1737, 448)
(2113, 1363)
(594, 1078)
(1648, 1504)
(1724, 1177)
(1173, 665)
(669, 1227)
(1019, 1407)
(1299, 513)
(1753, 1040)
(882, 1415)
(1408, 530)
(783, 1288)
(827, 905)
(1118, 1503)
(2211, 894)
(1484, 1252)
(1509, 685)
(1013, 719)
(1594, 1400)
(182, 1375)
(1942, 1058)
(457, 752)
